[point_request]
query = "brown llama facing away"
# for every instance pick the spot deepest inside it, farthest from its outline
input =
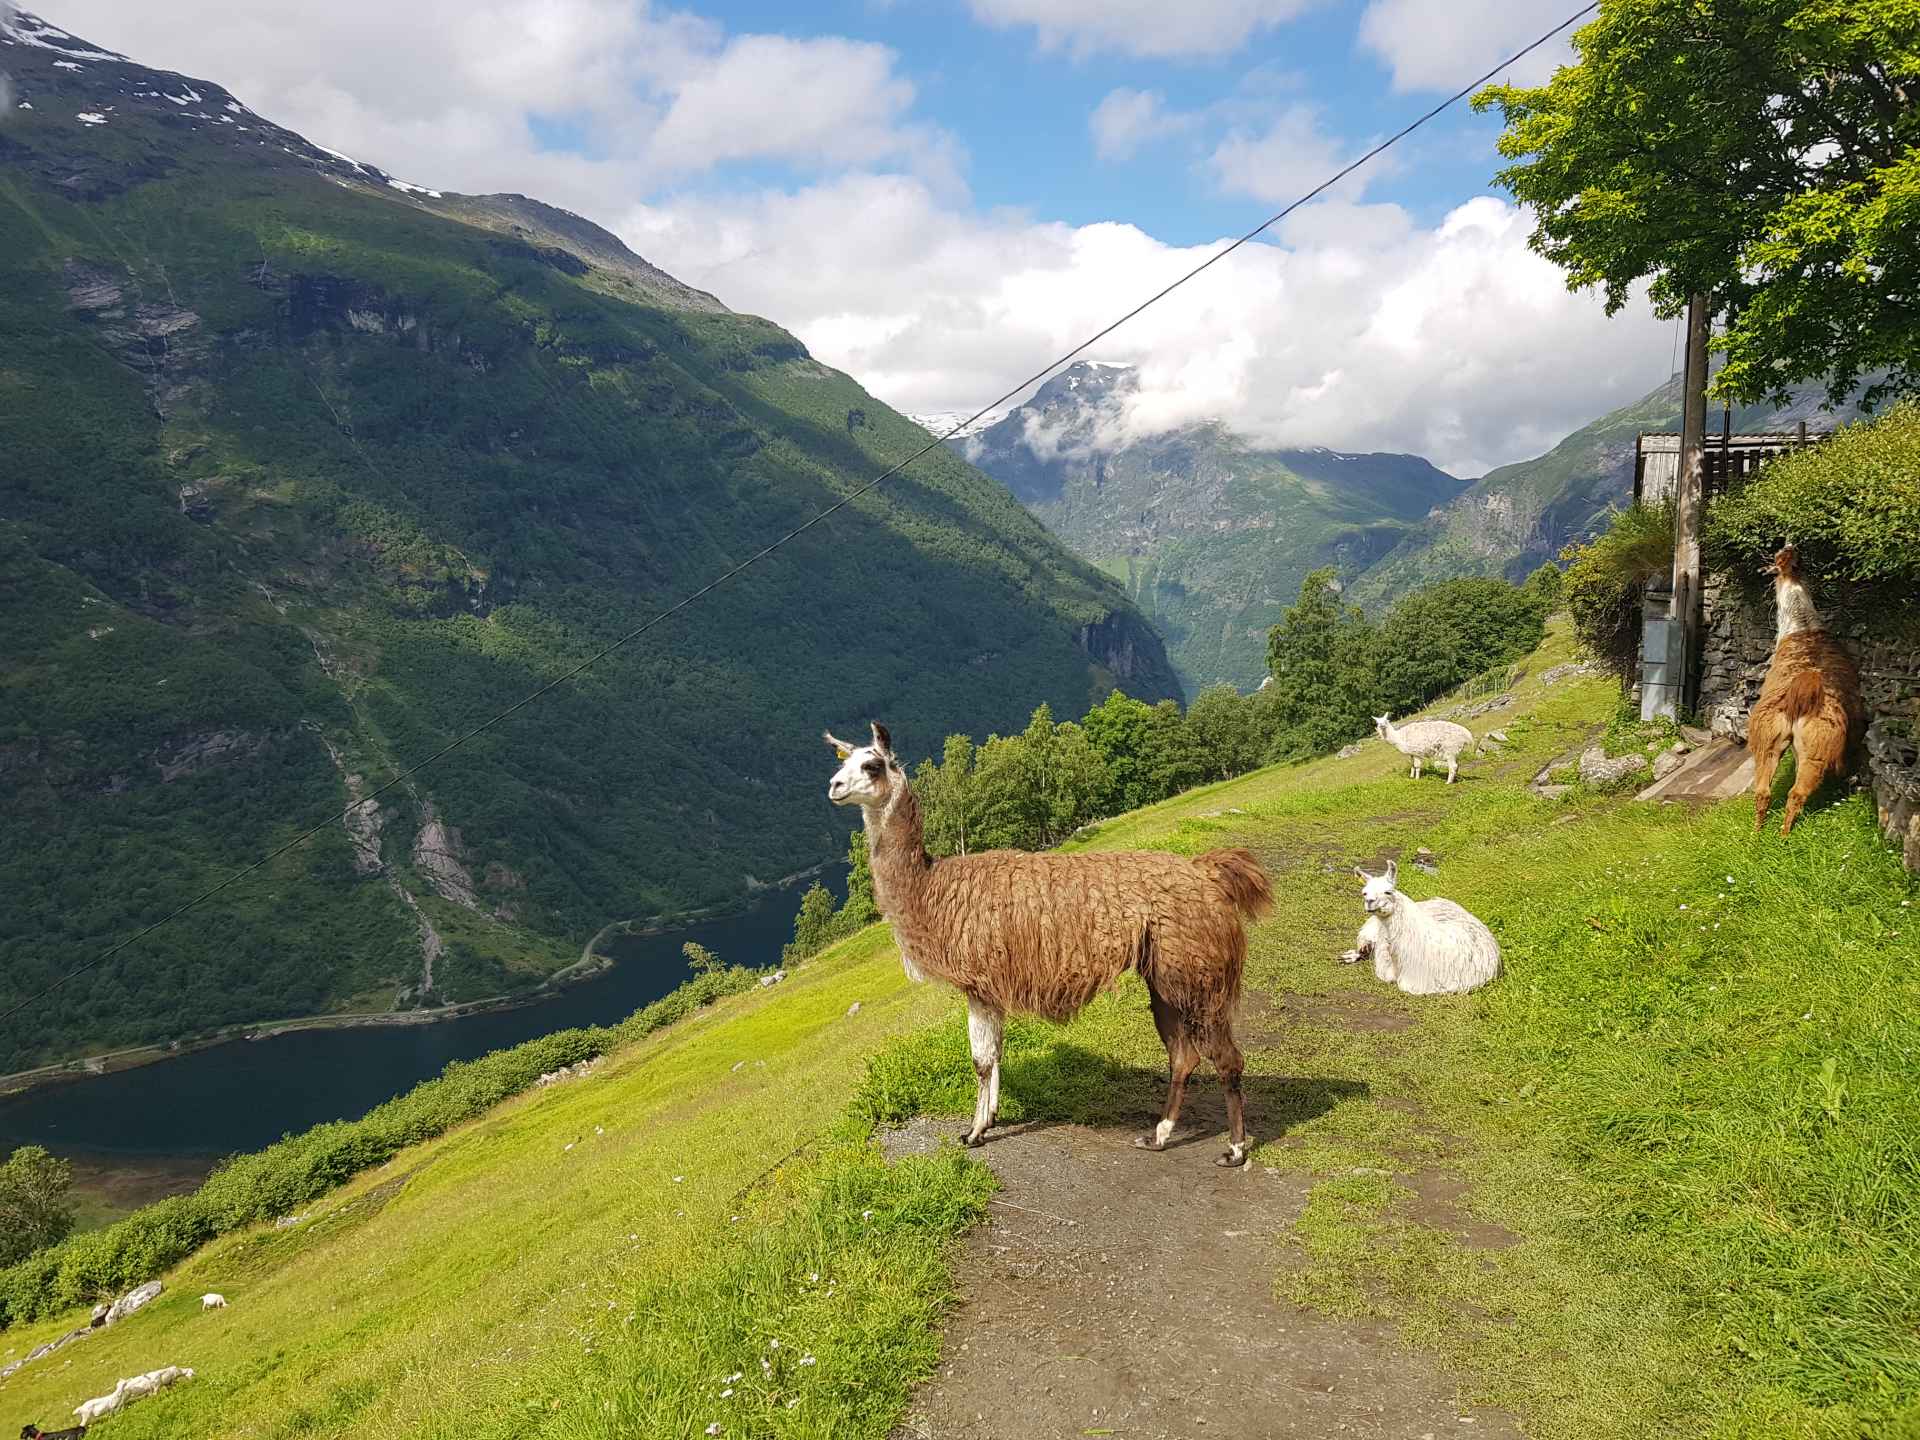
(1043, 934)
(1810, 699)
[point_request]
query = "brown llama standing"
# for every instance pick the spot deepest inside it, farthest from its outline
(1811, 699)
(1044, 934)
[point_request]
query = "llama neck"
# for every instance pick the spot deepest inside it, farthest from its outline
(896, 851)
(1794, 610)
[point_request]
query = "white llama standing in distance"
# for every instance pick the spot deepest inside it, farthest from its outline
(1426, 947)
(1425, 740)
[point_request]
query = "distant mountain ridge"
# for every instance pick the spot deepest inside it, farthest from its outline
(309, 470)
(1210, 535)
(1516, 518)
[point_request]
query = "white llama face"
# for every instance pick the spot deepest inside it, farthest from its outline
(865, 776)
(1380, 724)
(1378, 894)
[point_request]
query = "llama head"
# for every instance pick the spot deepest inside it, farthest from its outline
(1786, 564)
(1380, 723)
(1378, 893)
(868, 773)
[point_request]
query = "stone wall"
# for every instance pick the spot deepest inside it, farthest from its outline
(1884, 640)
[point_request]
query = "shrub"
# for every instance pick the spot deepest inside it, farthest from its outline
(1851, 506)
(1606, 577)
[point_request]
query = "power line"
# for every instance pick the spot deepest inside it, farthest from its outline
(798, 530)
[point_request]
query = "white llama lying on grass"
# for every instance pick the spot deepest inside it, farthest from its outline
(1425, 740)
(1426, 947)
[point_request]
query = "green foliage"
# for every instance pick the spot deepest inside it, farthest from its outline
(274, 1181)
(1851, 506)
(701, 960)
(36, 1209)
(814, 928)
(397, 534)
(860, 908)
(1545, 586)
(1606, 578)
(1437, 637)
(1321, 659)
(1763, 152)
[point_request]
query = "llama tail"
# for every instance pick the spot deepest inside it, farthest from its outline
(1240, 879)
(1803, 695)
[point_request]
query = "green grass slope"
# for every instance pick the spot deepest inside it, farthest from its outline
(1687, 1105)
(306, 475)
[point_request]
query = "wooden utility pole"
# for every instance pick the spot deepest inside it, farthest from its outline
(1690, 498)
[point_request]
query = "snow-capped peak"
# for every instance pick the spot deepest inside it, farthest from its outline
(22, 27)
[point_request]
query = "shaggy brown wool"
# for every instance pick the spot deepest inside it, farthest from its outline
(1811, 700)
(1044, 934)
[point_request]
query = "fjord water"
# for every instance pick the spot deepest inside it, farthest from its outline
(240, 1096)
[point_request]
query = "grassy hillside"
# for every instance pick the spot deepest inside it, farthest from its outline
(1210, 535)
(307, 474)
(1680, 1133)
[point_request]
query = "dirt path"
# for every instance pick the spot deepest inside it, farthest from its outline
(1118, 1293)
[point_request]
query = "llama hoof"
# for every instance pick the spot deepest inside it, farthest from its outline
(1235, 1157)
(1351, 957)
(1148, 1141)
(970, 1140)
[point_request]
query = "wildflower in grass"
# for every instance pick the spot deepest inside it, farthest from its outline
(734, 1378)
(727, 1394)
(808, 1360)
(678, 1179)
(715, 1429)
(773, 1344)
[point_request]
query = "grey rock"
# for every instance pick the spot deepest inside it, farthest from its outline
(1597, 769)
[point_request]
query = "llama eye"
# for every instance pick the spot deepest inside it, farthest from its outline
(873, 767)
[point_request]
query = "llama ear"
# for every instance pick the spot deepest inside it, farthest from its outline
(882, 741)
(1393, 873)
(1361, 875)
(840, 747)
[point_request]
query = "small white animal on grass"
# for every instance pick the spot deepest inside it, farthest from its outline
(1425, 740)
(213, 1302)
(1426, 947)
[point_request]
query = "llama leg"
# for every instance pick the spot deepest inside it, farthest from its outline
(1231, 1065)
(1816, 749)
(1453, 768)
(1415, 772)
(1182, 1056)
(984, 1026)
(1767, 736)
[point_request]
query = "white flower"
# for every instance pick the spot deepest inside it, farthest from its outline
(1683, 907)
(866, 1214)
(813, 1277)
(734, 1378)
(678, 1178)
(773, 1344)
(808, 1360)
(714, 1429)
(727, 1394)
(1729, 879)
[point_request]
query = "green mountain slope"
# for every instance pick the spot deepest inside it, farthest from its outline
(306, 473)
(1517, 517)
(1211, 536)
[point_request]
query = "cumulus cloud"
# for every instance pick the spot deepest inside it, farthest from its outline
(1144, 28)
(1127, 120)
(1441, 47)
(1358, 330)
(1284, 158)
(466, 94)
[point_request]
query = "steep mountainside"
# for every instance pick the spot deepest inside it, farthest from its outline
(1210, 535)
(307, 471)
(1513, 519)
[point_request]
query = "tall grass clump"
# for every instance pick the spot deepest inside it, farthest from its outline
(300, 1168)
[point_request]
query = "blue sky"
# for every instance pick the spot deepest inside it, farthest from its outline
(939, 196)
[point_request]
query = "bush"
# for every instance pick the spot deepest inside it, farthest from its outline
(1851, 506)
(1606, 578)
(300, 1168)
(1444, 634)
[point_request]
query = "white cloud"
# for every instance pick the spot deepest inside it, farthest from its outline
(1147, 28)
(453, 93)
(1126, 120)
(1284, 159)
(1359, 330)
(1442, 47)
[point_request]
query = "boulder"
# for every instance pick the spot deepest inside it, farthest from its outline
(1597, 769)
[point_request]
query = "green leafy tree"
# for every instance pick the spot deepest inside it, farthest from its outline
(949, 802)
(1221, 728)
(701, 960)
(813, 927)
(35, 1209)
(1119, 728)
(1546, 587)
(1763, 152)
(1320, 656)
(861, 908)
(1443, 634)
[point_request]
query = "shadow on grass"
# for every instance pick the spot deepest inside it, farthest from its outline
(1047, 1080)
